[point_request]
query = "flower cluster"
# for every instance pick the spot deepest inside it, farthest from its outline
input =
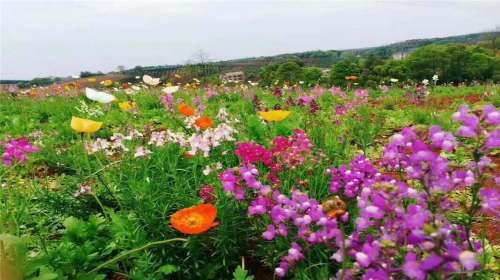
(18, 150)
(298, 213)
(91, 111)
(487, 123)
(400, 227)
(115, 144)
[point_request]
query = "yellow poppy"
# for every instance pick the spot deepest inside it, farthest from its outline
(177, 76)
(127, 105)
(107, 83)
(274, 115)
(91, 80)
(84, 125)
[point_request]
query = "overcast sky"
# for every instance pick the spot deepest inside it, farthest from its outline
(62, 38)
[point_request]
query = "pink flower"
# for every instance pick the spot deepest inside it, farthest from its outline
(17, 149)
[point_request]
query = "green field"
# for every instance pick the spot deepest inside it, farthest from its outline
(99, 205)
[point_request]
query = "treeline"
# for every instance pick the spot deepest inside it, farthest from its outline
(453, 63)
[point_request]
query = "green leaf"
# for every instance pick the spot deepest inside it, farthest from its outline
(168, 269)
(241, 274)
(45, 274)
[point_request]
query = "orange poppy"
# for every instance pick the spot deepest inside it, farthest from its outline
(185, 110)
(187, 155)
(203, 122)
(351, 78)
(194, 220)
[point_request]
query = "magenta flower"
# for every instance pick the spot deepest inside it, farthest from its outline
(491, 115)
(207, 193)
(443, 140)
(412, 268)
(269, 233)
(17, 149)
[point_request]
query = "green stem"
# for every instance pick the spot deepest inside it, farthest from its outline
(133, 251)
(100, 205)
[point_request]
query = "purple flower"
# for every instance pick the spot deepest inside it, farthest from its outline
(295, 253)
(491, 115)
(17, 149)
(168, 101)
(468, 260)
(470, 122)
(412, 268)
(490, 200)
(492, 140)
(441, 139)
(431, 262)
(269, 233)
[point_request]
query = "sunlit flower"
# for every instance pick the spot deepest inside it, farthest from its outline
(170, 89)
(91, 80)
(99, 96)
(107, 83)
(127, 105)
(203, 122)
(185, 110)
(194, 220)
(351, 78)
(148, 80)
(84, 125)
(274, 115)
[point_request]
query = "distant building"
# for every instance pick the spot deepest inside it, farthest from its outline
(233, 77)
(399, 55)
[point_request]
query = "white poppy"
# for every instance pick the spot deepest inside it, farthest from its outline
(425, 82)
(301, 82)
(435, 77)
(99, 96)
(150, 80)
(137, 77)
(394, 80)
(196, 80)
(134, 87)
(170, 89)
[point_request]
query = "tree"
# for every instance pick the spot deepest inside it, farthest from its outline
(312, 75)
(290, 72)
(393, 69)
(340, 70)
(426, 61)
(201, 57)
(480, 65)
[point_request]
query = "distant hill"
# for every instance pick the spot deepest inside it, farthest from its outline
(319, 58)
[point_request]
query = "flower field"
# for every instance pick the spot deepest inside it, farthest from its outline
(155, 181)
